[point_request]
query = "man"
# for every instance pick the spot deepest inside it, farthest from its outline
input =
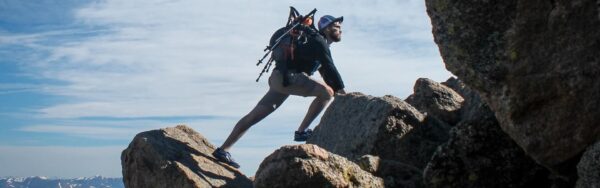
(293, 78)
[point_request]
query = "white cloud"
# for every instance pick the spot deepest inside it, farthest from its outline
(124, 129)
(9, 88)
(190, 57)
(97, 132)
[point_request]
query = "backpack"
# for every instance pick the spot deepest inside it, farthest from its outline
(283, 41)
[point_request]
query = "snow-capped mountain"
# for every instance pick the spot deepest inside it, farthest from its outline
(44, 182)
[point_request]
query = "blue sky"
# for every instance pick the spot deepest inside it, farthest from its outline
(78, 79)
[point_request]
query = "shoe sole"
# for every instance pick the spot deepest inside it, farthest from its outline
(221, 160)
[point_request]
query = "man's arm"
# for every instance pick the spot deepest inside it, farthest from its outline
(328, 71)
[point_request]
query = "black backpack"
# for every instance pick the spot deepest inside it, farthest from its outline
(283, 41)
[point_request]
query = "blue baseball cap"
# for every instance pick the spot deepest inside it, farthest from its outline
(327, 20)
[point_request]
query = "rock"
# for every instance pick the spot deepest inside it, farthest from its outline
(394, 173)
(535, 63)
(176, 157)
(588, 168)
(456, 85)
(436, 100)
(398, 174)
(308, 165)
(480, 154)
(473, 107)
(355, 125)
(369, 163)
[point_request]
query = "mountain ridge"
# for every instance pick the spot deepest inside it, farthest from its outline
(45, 182)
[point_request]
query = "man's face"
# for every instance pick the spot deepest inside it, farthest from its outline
(334, 32)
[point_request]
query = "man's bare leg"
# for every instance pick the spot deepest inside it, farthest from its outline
(258, 113)
(323, 94)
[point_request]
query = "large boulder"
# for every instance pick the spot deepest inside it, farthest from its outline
(436, 100)
(176, 157)
(356, 124)
(588, 168)
(535, 63)
(480, 154)
(308, 165)
(394, 173)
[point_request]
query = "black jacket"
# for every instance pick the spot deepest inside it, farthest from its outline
(311, 54)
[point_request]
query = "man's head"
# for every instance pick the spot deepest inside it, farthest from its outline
(331, 27)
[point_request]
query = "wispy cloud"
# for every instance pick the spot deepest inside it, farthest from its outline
(189, 58)
(8, 88)
(98, 132)
(120, 128)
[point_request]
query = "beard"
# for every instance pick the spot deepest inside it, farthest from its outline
(335, 36)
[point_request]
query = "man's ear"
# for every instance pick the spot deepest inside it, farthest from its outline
(326, 31)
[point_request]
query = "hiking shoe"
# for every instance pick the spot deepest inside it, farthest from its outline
(302, 136)
(225, 157)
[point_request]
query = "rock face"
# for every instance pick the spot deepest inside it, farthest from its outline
(536, 64)
(355, 125)
(176, 157)
(588, 168)
(308, 165)
(437, 100)
(480, 154)
(394, 173)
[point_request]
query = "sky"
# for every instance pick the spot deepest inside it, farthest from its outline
(79, 79)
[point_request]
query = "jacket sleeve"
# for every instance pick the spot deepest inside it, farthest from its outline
(328, 71)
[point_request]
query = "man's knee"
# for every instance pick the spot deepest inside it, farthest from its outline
(325, 92)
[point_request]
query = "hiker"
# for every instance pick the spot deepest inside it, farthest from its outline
(294, 78)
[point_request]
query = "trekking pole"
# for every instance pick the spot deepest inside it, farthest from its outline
(264, 56)
(265, 69)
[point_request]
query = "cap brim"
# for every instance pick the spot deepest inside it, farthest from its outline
(340, 19)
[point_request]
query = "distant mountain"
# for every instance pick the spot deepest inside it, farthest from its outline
(43, 182)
